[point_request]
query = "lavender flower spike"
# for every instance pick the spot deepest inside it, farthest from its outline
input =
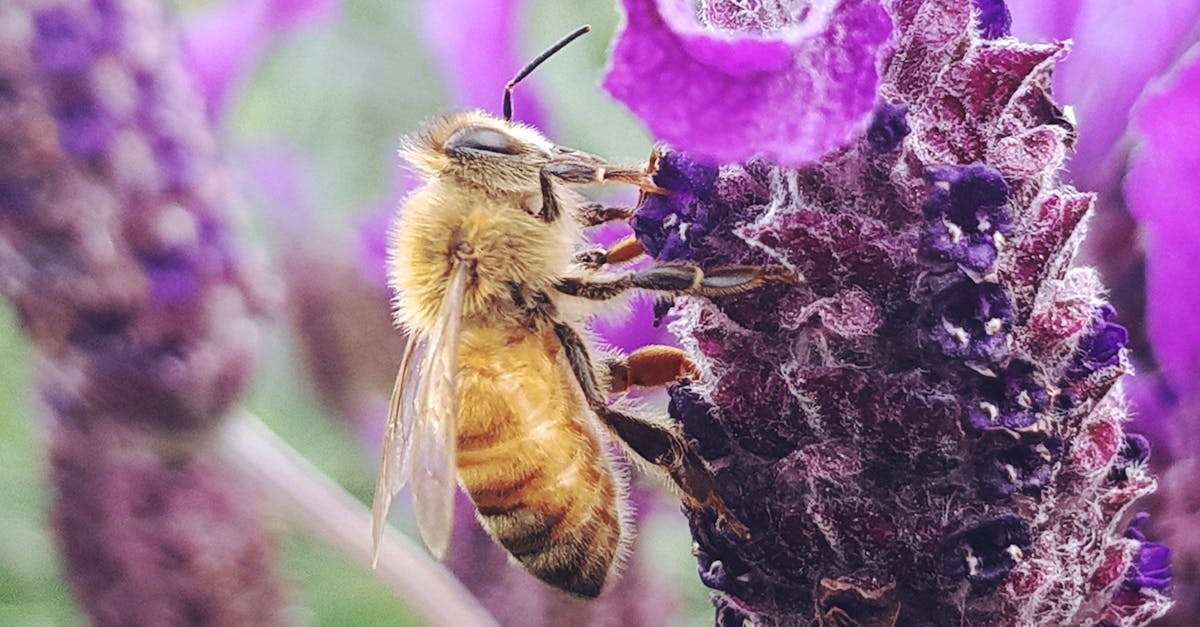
(115, 250)
(927, 431)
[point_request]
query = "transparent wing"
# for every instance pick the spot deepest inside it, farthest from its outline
(435, 434)
(396, 455)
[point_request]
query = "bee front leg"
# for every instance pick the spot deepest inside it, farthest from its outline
(660, 444)
(551, 208)
(595, 214)
(584, 173)
(587, 170)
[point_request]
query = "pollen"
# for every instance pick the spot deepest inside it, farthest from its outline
(1016, 553)
(956, 232)
(972, 563)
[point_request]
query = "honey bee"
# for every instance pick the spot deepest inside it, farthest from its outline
(498, 390)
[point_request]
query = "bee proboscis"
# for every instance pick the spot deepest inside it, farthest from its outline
(498, 390)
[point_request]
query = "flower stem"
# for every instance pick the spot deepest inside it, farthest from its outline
(333, 515)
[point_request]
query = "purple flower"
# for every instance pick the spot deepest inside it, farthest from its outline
(1147, 577)
(967, 217)
(795, 85)
(926, 430)
(972, 321)
(889, 127)
(1102, 348)
(1163, 195)
(116, 252)
(1014, 399)
(666, 225)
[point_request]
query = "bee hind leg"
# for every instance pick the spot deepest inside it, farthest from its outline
(660, 444)
(627, 249)
(665, 447)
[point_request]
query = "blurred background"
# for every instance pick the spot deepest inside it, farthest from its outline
(309, 99)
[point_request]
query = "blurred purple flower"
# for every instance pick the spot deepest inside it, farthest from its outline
(115, 250)
(1133, 42)
(223, 45)
(928, 429)
(1163, 196)
(1163, 193)
(790, 83)
(150, 542)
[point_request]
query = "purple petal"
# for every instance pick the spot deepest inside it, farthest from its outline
(1163, 193)
(793, 95)
(224, 45)
(1132, 41)
(478, 55)
(1037, 18)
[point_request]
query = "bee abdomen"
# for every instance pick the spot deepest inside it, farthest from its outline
(567, 537)
(576, 560)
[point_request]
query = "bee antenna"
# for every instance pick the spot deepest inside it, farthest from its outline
(533, 66)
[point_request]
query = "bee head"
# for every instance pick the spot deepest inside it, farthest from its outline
(474, 148)
(499, 156)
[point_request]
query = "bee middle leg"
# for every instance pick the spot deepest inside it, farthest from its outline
(660, 444)
(679, 279)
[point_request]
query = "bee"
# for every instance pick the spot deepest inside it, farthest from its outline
(498, 390)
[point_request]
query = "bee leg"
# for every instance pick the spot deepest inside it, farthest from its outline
(648, 366)
(551, 209)
(680, 279)
(588, 170)
(659, 444)
(592, 213)
(595, 214)
(627, 249)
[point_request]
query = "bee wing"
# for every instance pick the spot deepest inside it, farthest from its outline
(422, 432)
(435, 434)
(395, 458)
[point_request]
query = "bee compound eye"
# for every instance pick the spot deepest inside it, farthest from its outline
(482, 139)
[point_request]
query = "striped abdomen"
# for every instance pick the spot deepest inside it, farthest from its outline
(531, 462)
